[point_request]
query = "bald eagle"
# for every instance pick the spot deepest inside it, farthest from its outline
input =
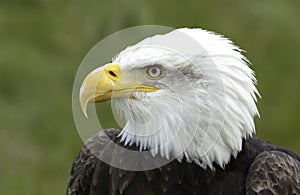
(187, 101)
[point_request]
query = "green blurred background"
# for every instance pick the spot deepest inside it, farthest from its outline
(42, 43)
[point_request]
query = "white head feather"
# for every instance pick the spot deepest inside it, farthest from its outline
(205, 104)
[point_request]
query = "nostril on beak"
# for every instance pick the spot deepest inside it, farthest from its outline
(112, 73)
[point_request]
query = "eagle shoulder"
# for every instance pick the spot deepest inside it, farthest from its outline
(273, 172)
(89, 175)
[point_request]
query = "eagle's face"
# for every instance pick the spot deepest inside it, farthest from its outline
(197, 105)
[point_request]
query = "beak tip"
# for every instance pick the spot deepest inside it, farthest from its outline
(85, 114)
(84, 109)
(83, 101)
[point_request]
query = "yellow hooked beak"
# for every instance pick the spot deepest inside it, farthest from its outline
(103, 84)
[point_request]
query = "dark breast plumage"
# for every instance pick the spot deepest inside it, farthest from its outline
(260, 168)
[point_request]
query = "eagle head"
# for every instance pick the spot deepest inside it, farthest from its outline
(188, 94)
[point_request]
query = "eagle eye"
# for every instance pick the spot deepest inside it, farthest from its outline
(154, 72)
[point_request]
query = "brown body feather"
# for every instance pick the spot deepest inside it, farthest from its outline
(260, 168)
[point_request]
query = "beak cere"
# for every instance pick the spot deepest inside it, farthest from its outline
(103, 84)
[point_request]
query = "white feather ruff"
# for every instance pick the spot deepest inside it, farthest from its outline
(205, 104)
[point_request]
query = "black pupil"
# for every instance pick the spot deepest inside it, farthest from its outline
(153, 70)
